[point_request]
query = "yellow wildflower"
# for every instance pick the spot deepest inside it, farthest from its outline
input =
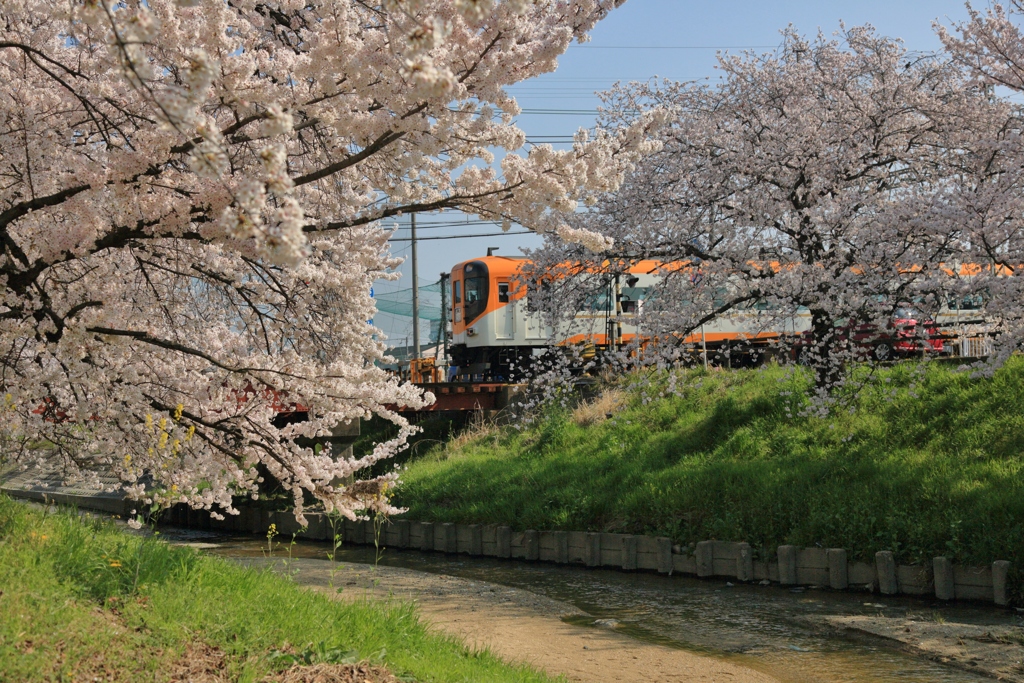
(178, 411)
(115, 563)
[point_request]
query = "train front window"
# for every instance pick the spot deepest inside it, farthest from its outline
(476, 290)
(457, 291)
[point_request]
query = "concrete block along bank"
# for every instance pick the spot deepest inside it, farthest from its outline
(789, 566)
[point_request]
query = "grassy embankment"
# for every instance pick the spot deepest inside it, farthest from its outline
(931, 470)
(81, 600)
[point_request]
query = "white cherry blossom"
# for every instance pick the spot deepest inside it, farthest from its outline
(192, 202)
(810, 194)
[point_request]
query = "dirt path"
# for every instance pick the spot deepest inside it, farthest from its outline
(522, 626)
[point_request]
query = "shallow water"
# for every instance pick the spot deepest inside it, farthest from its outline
(767, 628)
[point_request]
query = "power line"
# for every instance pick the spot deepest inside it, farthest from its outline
(545, 79)
(453, 224)
(460, 237)
(540, 99)
(557, 89)
(674, 47)
(558, 111)
(420, 223)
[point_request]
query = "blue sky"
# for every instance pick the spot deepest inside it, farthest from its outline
(676, 39)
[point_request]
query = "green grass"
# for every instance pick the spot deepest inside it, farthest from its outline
(925, 470)
(81, 599)
(435, 428)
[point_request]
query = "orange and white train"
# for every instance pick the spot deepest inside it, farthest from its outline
(495, 334)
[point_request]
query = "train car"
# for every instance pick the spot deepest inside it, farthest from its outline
(493, 333)
(496, 335)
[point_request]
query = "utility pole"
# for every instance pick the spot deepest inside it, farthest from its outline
(703, 346)
(415, 291)
(445, 278)
(617, 339)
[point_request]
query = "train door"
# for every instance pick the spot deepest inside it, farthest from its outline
(505, 316)
(534, 328)
(533, 323)
(456, 301)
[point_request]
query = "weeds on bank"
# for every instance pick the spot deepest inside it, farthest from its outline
(477, 429)
(82, 599)
(332, 556)
(603, 407)
(924, 462)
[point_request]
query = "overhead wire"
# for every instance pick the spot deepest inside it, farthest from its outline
(558, 111)
(459, 237)
(452, 224)
(674, 47)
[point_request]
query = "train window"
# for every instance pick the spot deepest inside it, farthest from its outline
(756, 305)
(906, 313)
(476, 286)
(972, 302)
(719, 297)
(632, 299)
(596, 302)
(457, 291)
(635, 293)
(503, 292)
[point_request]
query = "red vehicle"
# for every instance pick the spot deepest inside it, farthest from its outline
(906, 334)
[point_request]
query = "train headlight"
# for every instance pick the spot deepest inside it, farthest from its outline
(471, 331)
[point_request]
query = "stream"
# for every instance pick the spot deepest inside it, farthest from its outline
(771, 629)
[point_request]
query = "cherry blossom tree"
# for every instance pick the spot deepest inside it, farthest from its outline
(194, 199)
(806, 194)
(989, 203)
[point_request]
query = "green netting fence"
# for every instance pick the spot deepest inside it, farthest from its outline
(399, 302)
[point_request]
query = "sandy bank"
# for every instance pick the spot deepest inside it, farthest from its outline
(994, 650)
(522, 626)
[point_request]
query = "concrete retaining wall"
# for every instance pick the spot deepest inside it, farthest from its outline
(790, 565)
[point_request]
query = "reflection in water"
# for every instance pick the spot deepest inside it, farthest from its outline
(769, 629)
